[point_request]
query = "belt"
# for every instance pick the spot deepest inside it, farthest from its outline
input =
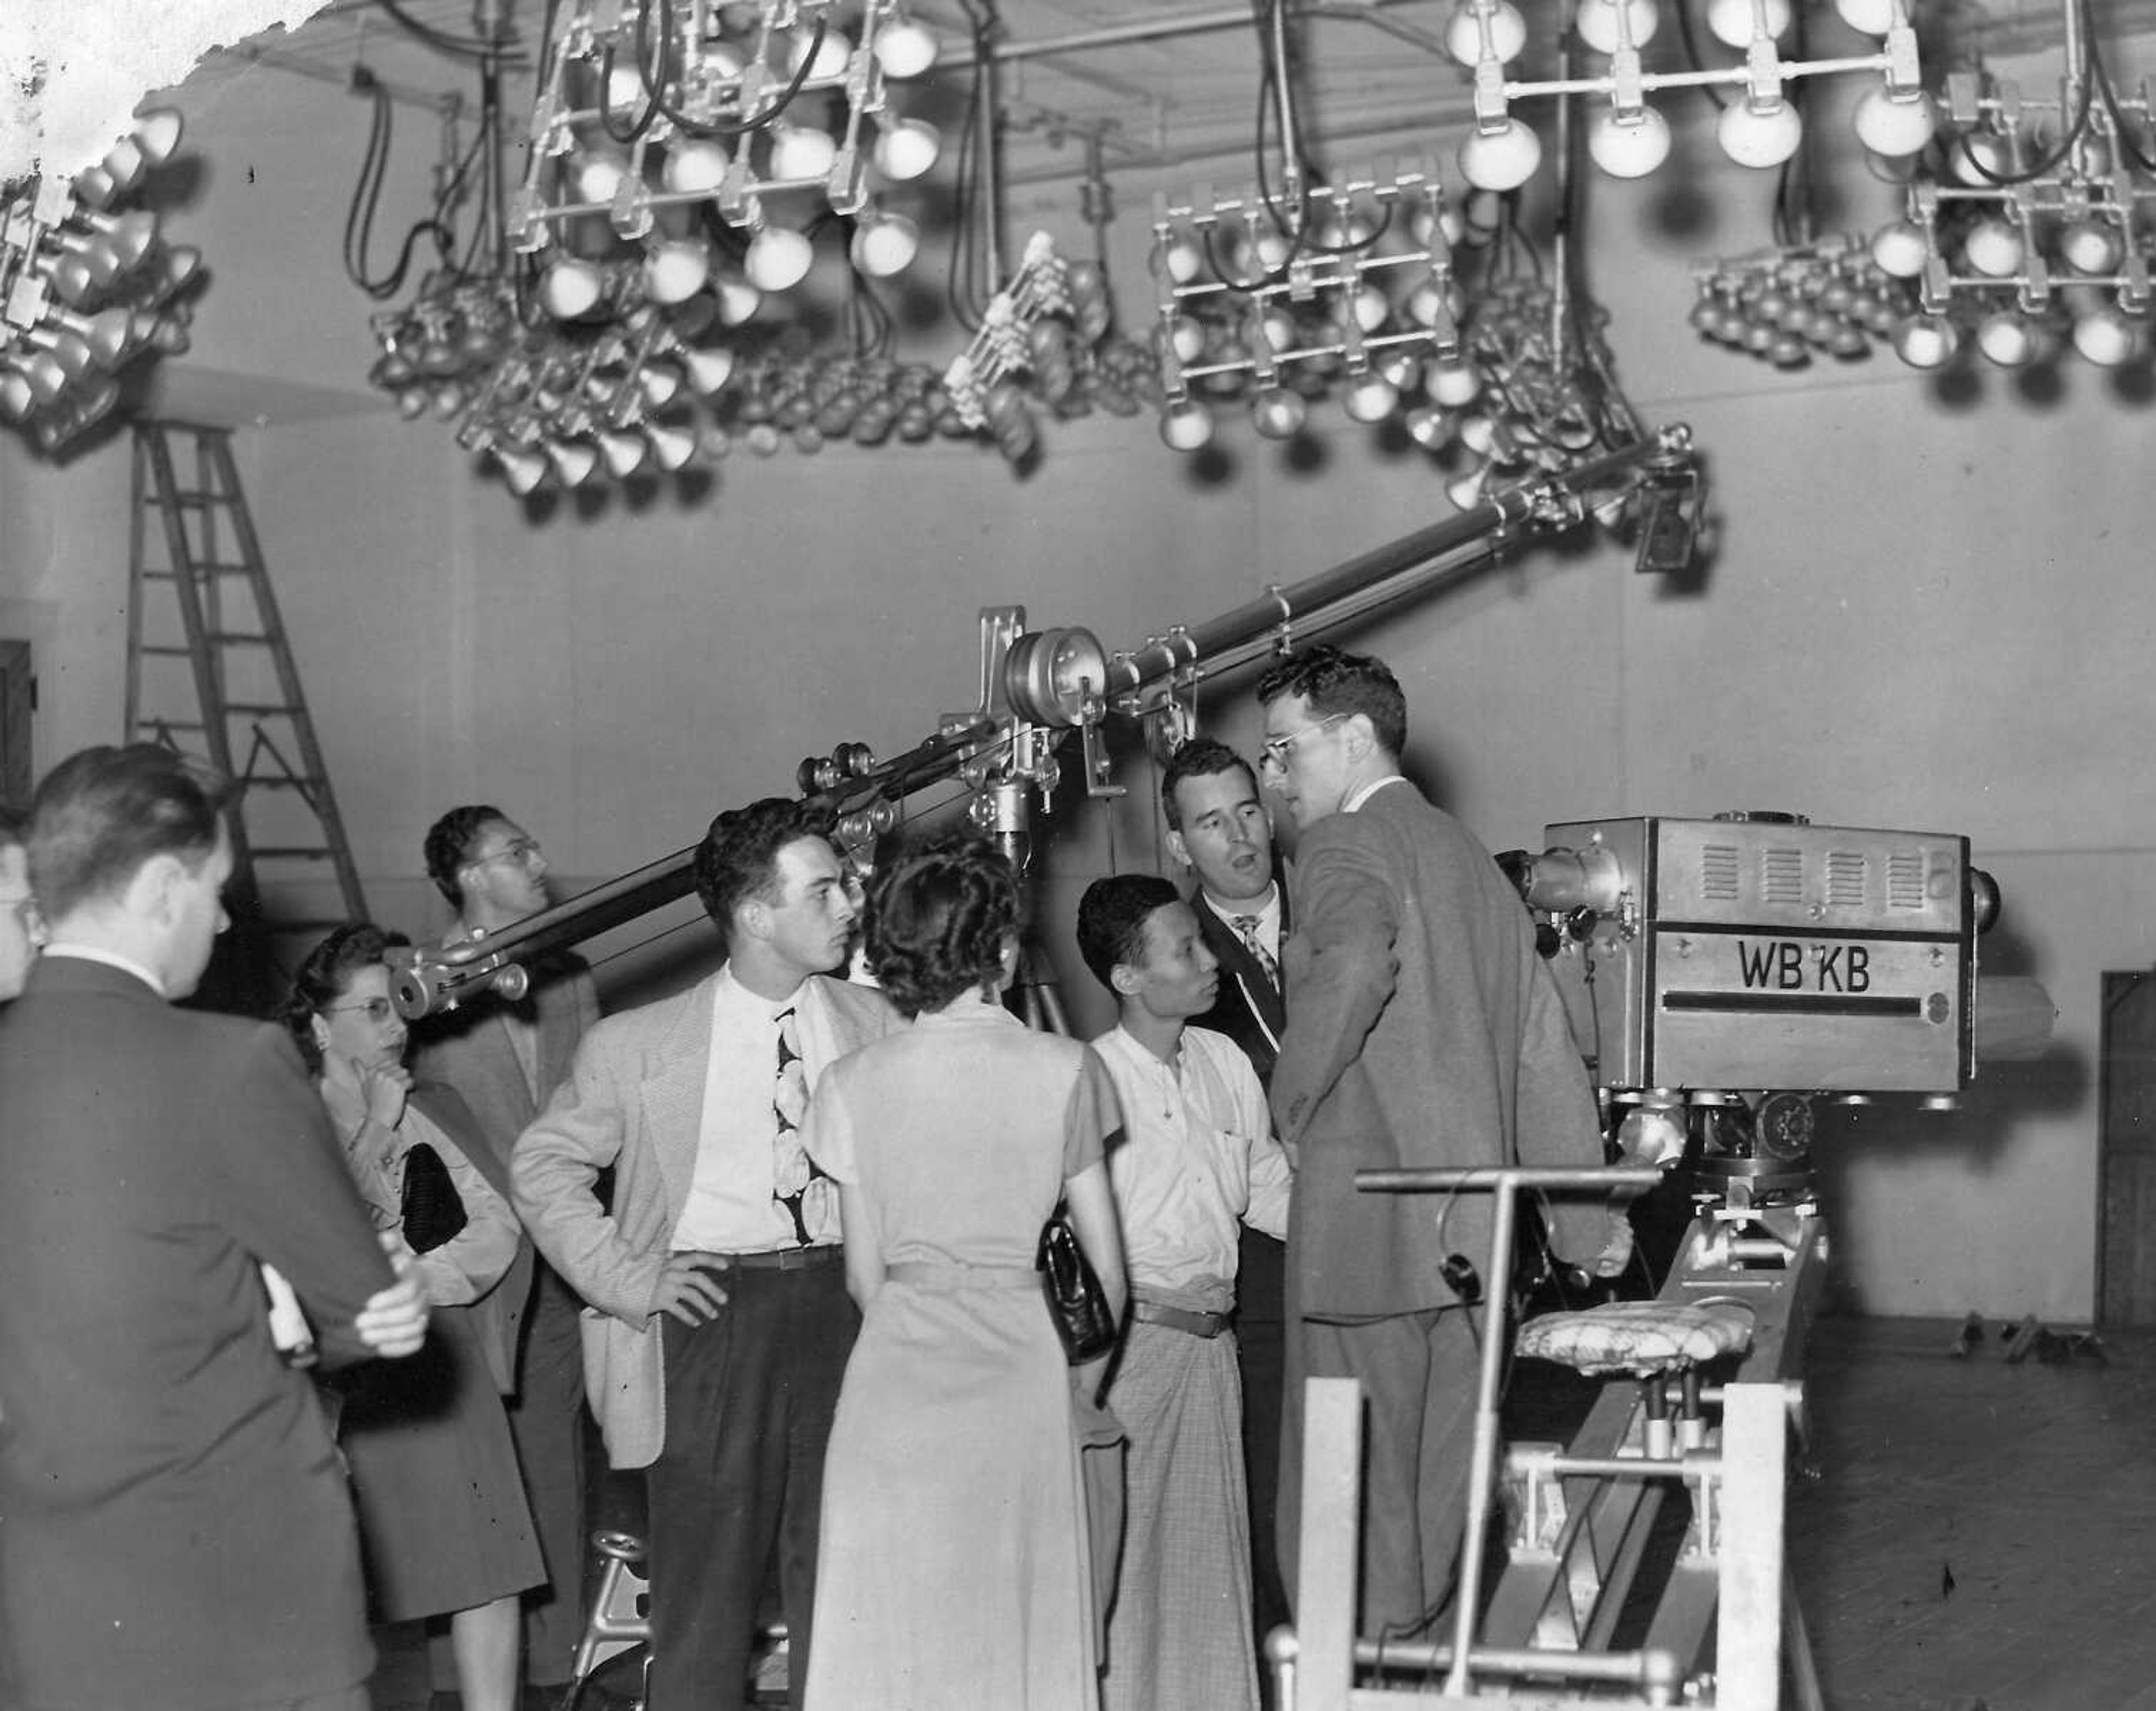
(1181, 1318)
(945, 1279)
(786, 1259)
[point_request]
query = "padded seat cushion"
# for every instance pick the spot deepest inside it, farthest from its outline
(1638, 1337)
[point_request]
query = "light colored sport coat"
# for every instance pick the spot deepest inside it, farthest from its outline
(1424, 1030)
(634, 1100)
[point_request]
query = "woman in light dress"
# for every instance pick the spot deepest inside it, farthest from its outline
(954, 1567)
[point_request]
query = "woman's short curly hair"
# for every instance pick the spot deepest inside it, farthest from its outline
(325, 976)
(938, 921)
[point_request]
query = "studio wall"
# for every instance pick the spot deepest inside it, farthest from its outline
(1929, 608)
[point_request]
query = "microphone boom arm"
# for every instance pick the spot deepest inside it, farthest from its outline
(1038, 685)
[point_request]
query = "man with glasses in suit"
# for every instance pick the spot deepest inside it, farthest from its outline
(1425, 1033)
(505, 1058)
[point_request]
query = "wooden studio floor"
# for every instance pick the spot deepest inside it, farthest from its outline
(1978, 1534)
(1971, 1534)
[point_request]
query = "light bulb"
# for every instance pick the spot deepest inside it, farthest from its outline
(799, 151)
(157, 133)
(906, 149)
(625, 452)
(1279, 328)
(1186, 426)
(1465, 490)
(1180, 257)
(624, 90)
(1874, 18)
(1759, 137)
(1186, 338)
(1503, 160)
(1976, 153)
(675, 271)
(1889, 123)
(833, 54)
(1452, 384)
(2007, 338)
(1629, 145)
(1899, 249)
(884, 244)
(596, 178)
(695, 166)
(1736, 23)
(2091, 246)
(1370, 398)
(738, 299)
(1278, 413)
(1993, 247)
(2105, 338)
(671, 447)
(1272, 247)
(522, 467)
(1508, 33)
(708, 370)
(570, 287)
(777, 258)
(1428, 426)
(658, 386)
(904, 48)
(574, 459)
(1926, 341)
(1596, 23)
(1369, 308)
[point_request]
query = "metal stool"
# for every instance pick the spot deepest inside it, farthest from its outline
(620, 1622)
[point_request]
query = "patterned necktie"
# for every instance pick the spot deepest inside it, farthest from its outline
(1246, 930)
(792, 1169)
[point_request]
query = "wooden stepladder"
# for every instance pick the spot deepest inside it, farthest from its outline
(210, 673)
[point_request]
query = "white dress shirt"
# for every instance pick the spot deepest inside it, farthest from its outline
(729, 1208)
(1197, 1155)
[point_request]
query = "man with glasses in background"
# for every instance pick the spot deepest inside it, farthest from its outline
(1423, 1032)
(505, 1058)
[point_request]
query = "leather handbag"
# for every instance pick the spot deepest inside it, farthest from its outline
(434, 1211)
(1076, 1302)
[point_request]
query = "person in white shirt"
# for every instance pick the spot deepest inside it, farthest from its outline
(1198, 1158)
(721, 1323)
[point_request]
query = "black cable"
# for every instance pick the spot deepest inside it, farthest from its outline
(463, 47)
(365, 199)
(1689, 36)
(966, 308)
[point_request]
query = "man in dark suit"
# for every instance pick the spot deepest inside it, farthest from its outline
(177, 1531)
(722, 1390)
(1423, 1032)
(1220, 827)
(505, 1058)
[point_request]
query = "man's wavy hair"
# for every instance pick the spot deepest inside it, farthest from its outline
(738, 859)
(1332, 681)
(938, 922)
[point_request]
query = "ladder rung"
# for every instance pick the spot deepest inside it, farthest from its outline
(160, 648)
(197, 496)
(228, 636)
(260, 707)
(310, 852)
(149, 723)
(201, 567)
(270, 781)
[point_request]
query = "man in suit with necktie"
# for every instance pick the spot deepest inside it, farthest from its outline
(722, 1323)
(504, 1058)
(1424, 1030)
(177, 1531)
(1220, 827)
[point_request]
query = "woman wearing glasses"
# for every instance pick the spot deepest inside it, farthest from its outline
(442, 1511)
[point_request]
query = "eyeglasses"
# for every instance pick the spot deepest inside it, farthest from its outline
(374, 1009)
(523, 851)
(1273, 753)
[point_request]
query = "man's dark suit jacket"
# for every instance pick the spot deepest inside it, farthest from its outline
(1249, 1009)
(175, 1529)
(1426, 1031)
